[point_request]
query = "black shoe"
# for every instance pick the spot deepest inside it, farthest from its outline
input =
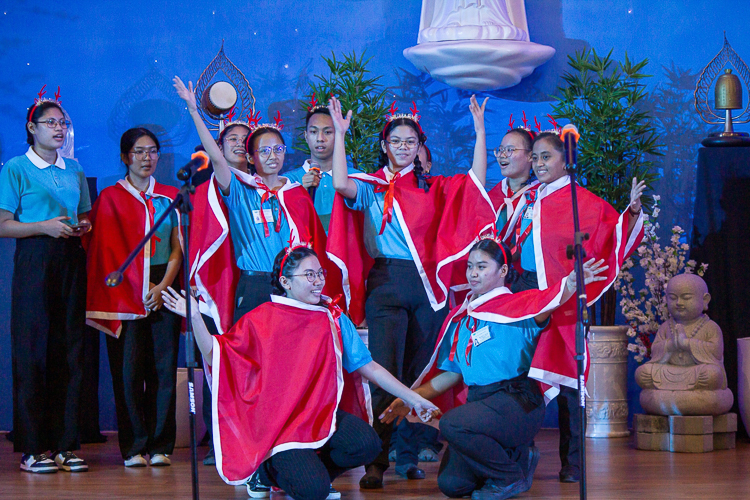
(410, 471)
(492, 491)
(373, 478)
(256, 489)
(210, 458)
(533, 462)
(570, 474)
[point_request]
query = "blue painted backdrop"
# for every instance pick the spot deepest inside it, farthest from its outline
(114, 62)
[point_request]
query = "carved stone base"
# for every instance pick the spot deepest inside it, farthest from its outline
(679, 434)
(607, 385)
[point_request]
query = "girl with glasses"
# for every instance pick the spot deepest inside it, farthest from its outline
(251, 217)
(142, 337)
(300, 345)
(44, 205)
(401, 238)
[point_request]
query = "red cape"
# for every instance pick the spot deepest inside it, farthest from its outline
(554, 362)
(277, 380)
(499, 306)
(440, 227)
(503, 199)
(119, 221)
(214, 268)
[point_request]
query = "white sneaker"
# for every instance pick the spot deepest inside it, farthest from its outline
(160, 460)
(136, 461)
(39, 464)
(69, 462)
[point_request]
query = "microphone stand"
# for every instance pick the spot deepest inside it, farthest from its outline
(182, 203)
(583, 324)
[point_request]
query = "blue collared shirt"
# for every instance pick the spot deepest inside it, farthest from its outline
(355, 355)
(35, 191)
(252, 250)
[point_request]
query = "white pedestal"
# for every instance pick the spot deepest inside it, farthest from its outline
(607, 385)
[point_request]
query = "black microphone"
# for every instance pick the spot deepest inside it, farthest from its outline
(313, 189)
(199, 159)
(570, 138)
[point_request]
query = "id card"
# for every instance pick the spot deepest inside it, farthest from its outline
(481, 335)
(267, 212)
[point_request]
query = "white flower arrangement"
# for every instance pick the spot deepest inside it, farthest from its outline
(646, 309)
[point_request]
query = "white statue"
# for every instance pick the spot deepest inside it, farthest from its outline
(467, 20)
(476, 44)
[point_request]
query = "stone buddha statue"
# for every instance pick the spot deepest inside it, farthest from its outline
(686, 373)
(444, 20)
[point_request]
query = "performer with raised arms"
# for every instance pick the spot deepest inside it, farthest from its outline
(315, 174)
(299, 345)
(142, 338)
(488, 343)
(407, 236)
(44, 205)
(263, 210)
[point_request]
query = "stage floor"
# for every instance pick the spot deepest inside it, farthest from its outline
(616, 470)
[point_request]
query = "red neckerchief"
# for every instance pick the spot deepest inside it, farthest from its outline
(336, 312)
(387, 200)
(151, 213)
(470, 344)
(520, 238)
(267, 195)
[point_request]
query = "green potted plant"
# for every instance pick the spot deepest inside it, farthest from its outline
(352, 83)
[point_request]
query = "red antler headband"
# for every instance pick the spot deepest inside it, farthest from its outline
(413, 116)
(41, 99)
(254, 125)
(288, 251)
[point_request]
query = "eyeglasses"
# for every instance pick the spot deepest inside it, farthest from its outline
(233, 140)
(143, 153)
(311, 275)
(409, 143)
(507, 149)
(279, 149)
(52, 123)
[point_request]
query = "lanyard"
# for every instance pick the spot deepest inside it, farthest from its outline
(149, 200)
(521, 237)
(471, 325)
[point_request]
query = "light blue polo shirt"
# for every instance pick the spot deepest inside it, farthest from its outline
(355, 355)
(505, 355)
(35, 191)
(324, 194)
(252, 250)
(163, 246)
(392, 243)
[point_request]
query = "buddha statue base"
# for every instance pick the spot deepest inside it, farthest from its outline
(699, 402)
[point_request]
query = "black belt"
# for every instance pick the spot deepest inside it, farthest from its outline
(265, 274)
(382, 261)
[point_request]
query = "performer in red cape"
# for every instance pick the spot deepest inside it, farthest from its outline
(143, 339)
(407, 236)
(488, 343)
(519, 183)
(546, 230)
(279, 390)
(261, 211)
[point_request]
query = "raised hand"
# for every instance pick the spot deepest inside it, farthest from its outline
(635, 195)
(592, 271)
(340, 122)
(477, 112)
(175, 302)
(186, 93)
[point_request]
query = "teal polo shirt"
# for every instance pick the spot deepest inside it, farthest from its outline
(35, 191)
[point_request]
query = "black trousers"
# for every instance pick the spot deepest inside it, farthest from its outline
(307, 474)
(403, 329)
(143, 364)
(206, 407)
(252, 290)
(568, 414)
(409, 438)
(489, 436)
(48, 308)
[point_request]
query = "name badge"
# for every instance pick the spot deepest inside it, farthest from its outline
(481, 335)
(529, 212)
(267, 212)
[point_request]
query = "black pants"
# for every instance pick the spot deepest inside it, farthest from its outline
(489, 436)
(410, 438)
(48, 308)
(146, 354)
(307, 474)
(568, 414)
(207, 406)
(252, 290)
(403, 329)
